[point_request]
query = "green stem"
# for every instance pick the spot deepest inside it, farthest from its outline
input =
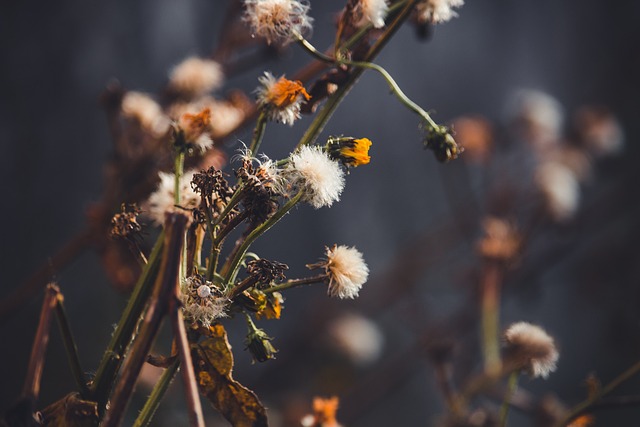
(511, 389)
(395, 89)
(113, 356)
(296, 282)
(358, 35)
(71, 348)
(179, 171)
(258, 133)
(332, 103)
(234, 264)
(490, 318)
(585, 404)
(151, 405)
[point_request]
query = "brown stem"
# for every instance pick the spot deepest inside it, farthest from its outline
(196, 419)
(175, 225)
(31, 388)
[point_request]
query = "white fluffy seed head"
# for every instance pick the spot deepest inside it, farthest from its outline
(196, 76)
(163, 199)
(200, 304)
(146, 111)
(530, 348)
(277, 20)
(560, 188)
(311, 171)
(373, 12)
(347, 271)
(357, 337)
(436, 11)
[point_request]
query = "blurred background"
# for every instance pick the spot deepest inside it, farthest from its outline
(415, 220)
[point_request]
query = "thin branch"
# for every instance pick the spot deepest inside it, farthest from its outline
(196, 419)
(31, 388)
(70, 346)
(175, 226)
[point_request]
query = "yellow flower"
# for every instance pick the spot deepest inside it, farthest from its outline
(350, 152)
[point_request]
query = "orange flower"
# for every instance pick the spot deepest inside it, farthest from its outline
(582, 421)
(325, 411)
(280, 99)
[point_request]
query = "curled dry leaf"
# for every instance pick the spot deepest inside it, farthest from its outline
(70, 411)
(213, 363)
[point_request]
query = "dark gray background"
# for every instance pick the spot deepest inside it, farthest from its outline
(58, 56)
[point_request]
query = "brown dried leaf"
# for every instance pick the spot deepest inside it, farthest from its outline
(213, 363)
(71, 411)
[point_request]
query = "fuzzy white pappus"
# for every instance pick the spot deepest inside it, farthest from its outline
(277, 20)
(163, 199)
(312, 172)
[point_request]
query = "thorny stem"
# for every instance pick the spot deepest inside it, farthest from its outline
(512, 384)
(165, 285)
(31, 388)
(112, 359)
(295, 283)
(490, 288)
(71, 348)
(588, 402)
(151, 405)
(258, 133)
(334, 100)
(196, 419)
(231, 269)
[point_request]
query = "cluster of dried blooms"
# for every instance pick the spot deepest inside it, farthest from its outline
(169, 160)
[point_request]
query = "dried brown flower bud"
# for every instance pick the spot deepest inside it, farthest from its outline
(265, 271)
(124, 225)
(441, 142)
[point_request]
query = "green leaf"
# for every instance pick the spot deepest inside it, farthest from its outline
(213, 363)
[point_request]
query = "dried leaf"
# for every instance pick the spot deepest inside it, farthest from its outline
(71, 411)
(213, 363)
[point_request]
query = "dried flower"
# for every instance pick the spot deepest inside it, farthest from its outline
(536, 116)
(196, 76)
(265, 271)
(192, 131)
(312, 172)
(163, 199)
(500, 241)
(349, 151)
(599, 131)
(202, 302)
(475, 137)
(346, 271)
(357, 337)
(530, 348)
(560, 189)
(435, 11)
(146, 111)
(324, 413)
(280, 99)
(124, 225)
(371, 11)
(277, 20)
(441, 142)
